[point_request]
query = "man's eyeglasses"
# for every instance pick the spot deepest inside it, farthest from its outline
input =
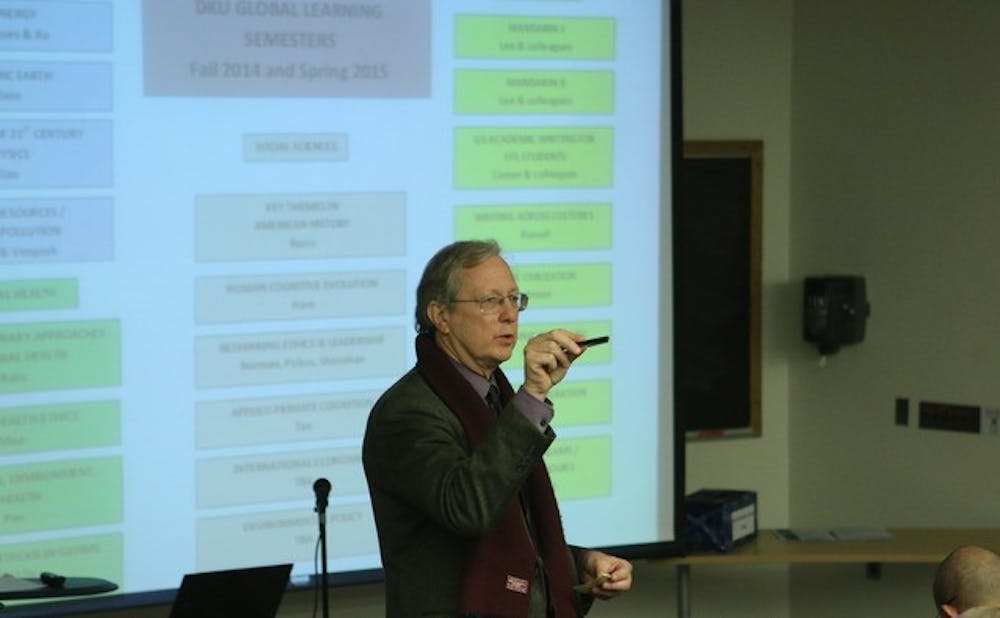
(493, 304)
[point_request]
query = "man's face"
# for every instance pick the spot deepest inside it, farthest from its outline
(478, 340)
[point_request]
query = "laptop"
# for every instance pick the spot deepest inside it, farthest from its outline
(239, 593)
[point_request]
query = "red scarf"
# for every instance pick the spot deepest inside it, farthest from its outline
(500, 565)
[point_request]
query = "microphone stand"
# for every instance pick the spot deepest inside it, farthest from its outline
(323, 573)
(322, 489)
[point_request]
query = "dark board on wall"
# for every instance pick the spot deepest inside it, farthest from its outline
(717, 307)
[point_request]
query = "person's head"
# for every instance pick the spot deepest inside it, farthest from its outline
(469, 302)
(968, 577)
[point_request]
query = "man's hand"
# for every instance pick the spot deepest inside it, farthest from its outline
(547, 358)
(618, 572)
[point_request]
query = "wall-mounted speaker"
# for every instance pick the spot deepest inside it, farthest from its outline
(835, 310)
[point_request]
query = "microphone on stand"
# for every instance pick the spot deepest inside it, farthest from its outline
(322, 489)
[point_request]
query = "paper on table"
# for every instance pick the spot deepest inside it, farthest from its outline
(864, 533)
(9, 583)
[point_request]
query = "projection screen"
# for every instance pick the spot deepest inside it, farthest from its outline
(213, 216)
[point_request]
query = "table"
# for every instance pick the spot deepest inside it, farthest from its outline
(907, 545)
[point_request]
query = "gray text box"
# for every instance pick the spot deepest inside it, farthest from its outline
(299, 226)
(286, 49)
(294, 147)
(276, 420)
(311, 356)
(262, 478)
(299, 297)
(269, 538)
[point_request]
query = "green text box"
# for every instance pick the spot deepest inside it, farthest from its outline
(538, 227)
(61, 426)
(565, 285)
(582, 402)
(39, 295)
(538, 157)
(600, 355)
(96, 556)
(59, 355)
(521, 36)
(534, 92)
(61, 494)
(580, 467)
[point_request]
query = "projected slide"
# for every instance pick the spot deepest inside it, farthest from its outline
(213, 216)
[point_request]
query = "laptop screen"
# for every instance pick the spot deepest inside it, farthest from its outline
(239, 593)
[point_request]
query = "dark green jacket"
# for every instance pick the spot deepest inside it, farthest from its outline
(432, 496)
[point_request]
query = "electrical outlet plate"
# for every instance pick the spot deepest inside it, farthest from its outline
(950, 417)
(990, 423)
(901, 411)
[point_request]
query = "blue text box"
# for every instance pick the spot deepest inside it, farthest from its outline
(56, 230)
(55, 86)
(55, 154)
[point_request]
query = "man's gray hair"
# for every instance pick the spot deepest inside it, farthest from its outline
(440, 283)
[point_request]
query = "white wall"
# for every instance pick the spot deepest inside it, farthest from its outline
(737, 61)
(737, 85)
(894, 141)
(895, 177)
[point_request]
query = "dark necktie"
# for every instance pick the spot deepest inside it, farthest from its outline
(493, 399)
